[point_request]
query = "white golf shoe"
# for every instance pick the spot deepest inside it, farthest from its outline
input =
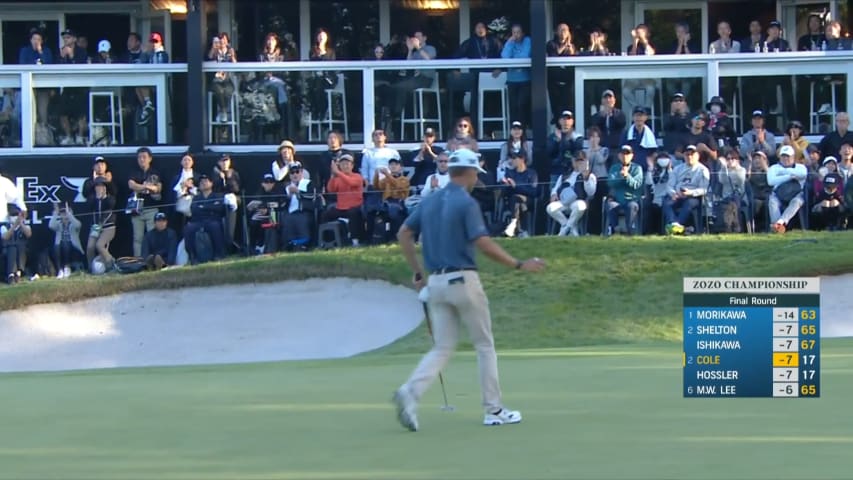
(502, 417)
(406, 408)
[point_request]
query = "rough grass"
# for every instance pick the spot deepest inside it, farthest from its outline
(595, 291)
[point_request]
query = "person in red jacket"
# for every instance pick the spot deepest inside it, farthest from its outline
(348, 187)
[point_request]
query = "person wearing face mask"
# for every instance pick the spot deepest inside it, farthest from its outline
(439, 179)
(658, 170)
(719, 123)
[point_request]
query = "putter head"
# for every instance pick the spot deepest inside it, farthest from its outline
(447, 408)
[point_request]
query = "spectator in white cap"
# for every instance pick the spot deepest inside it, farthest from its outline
(788, 181)
(105, 52)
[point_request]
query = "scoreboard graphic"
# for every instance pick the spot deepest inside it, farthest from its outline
(751, 337)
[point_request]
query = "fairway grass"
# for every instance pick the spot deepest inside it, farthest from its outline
(596, 412)
(593, 292)
(589, 352)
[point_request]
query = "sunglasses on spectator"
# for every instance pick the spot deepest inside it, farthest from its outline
(463, 125)
(442, 161)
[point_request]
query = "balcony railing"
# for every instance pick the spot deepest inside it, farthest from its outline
(102, 103)
(807, 86)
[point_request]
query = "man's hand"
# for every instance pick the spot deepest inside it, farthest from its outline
(418, 281)
(334, 168)
(760, 136)
(292, 189)
(555, 198)
(786, 140)
(510, 182)
(624, 171)
(433, 182)
(533, 265)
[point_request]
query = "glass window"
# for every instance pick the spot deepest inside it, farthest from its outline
(739, 15)
(16, 35)
(441, 26)
(584, 18)
(257, 19)
(489, 11)
(353, 26)
(662, 22)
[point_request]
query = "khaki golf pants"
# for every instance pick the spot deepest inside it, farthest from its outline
(458, 299)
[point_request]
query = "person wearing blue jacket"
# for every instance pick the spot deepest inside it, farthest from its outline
(208, 212)
(521, 187)
(625, 190)
(518, 79)
(37, 54)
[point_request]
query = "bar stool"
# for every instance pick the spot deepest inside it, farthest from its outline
(116, 120)
(232, 122)
(419, 118)
(329, 121)
(491, 84)
(816, 111)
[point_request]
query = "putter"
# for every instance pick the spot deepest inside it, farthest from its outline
(446, 407)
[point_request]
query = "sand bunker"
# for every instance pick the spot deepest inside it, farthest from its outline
(328, 318)
(319, 318)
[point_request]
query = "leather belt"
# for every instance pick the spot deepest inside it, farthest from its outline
(442, 271)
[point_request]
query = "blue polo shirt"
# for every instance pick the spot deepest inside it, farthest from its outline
(449, 221)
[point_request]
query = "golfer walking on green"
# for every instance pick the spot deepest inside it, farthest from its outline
(451, 225)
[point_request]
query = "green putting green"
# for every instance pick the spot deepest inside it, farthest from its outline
(592, 411)
(605, 412)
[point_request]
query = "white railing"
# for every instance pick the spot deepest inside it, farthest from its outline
(709, 68)
(93, 76)
(367, 69)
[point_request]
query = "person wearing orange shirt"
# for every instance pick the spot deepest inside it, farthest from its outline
(394, 186)
(348, 187)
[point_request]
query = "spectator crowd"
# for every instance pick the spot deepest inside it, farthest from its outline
(699, 174)
(288, 101)
(625, 184)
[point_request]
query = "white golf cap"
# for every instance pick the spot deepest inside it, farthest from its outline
(104, 46)
(464, 158)
(786, 150)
